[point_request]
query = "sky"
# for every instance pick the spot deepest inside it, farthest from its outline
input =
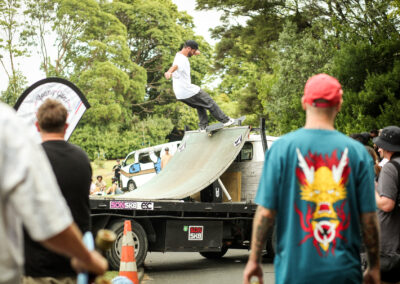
(203, 20)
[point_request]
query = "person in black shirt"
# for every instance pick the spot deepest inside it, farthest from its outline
(73, 172)
(117, 168)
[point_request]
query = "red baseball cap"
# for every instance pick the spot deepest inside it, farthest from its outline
(322, 86)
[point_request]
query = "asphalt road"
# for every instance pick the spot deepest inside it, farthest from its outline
(188, 267)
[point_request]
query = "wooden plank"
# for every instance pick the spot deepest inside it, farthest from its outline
(232, 181)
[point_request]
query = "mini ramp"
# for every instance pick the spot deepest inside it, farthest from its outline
(199, 161)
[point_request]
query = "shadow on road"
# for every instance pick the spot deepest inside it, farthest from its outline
(159, 262)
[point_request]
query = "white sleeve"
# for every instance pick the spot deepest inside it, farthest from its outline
(178, 61)
(28, 182)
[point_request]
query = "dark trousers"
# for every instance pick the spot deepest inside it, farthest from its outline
(203, 102)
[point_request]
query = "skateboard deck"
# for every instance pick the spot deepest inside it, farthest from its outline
(213, 128)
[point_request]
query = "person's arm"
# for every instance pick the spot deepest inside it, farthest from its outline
(384, 203)
(33, 194)
(370, 231)
(386, 190)
(263, 221)
(69, 243)
(171, 70)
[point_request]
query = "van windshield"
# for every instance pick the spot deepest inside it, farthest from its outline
(130, 159)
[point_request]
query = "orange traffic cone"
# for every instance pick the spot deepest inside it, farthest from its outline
(128, 266)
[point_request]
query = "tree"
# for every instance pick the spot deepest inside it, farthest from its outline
(64, 21)
(353, 40)
(10, 49)
(156, 31)
(298, 57)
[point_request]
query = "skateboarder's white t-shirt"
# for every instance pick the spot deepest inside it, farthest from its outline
(181, 83)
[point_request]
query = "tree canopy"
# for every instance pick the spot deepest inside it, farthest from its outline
(117, 51)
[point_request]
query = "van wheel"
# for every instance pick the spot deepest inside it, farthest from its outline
(113, 255)
(214, 254)
(131, 185)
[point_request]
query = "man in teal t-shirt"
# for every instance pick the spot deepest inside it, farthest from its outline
(318, 186)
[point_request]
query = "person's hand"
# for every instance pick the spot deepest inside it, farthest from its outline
(372, 276)
(252, 268)
(97, 264)
(168, 75)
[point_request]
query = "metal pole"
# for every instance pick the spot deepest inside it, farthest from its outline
(262, 133)
(224, 190)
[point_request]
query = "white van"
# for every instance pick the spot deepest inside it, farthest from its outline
(141, 165)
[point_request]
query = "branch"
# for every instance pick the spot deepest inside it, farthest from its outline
(5, 69)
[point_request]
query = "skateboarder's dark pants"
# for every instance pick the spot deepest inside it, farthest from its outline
(202, 101)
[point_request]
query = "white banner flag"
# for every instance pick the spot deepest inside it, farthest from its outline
(55, 88)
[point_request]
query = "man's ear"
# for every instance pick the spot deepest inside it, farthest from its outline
(65, 127)
(37, 126)
(339, 106)
(303, 104)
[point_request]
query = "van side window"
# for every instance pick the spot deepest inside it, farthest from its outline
(247, 152)
(144, 158)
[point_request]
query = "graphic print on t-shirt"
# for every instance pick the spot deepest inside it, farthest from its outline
(322, 185)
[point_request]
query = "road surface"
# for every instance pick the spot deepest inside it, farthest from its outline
(188, 267)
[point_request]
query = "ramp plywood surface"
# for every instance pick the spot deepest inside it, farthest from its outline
(199, 162)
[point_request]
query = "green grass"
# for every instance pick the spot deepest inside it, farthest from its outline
(103, 168)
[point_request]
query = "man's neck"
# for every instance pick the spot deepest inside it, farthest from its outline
(388, 155)
(320, 123)
(52, 136)
(315, 119)
(184, 51)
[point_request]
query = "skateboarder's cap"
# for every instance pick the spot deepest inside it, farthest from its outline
(193, 44)
(322, 90)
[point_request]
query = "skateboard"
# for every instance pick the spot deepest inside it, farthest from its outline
(213, 128)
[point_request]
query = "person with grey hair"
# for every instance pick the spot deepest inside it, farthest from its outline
(191, 94)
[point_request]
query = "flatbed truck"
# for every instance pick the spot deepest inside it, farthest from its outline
(208, 225)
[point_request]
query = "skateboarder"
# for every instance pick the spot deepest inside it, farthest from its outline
(189, 93)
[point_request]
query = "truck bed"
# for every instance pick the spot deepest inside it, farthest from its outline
(171, 208)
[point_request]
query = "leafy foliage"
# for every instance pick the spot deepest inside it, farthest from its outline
(117, 51)
(355, 40)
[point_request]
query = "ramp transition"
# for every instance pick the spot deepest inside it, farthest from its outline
(199, 161)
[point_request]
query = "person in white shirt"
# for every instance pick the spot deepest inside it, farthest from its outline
(191, 94)
(29, 195)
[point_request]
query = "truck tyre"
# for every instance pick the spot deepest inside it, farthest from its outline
(131, 185)
(214, 254)
(113, 255)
